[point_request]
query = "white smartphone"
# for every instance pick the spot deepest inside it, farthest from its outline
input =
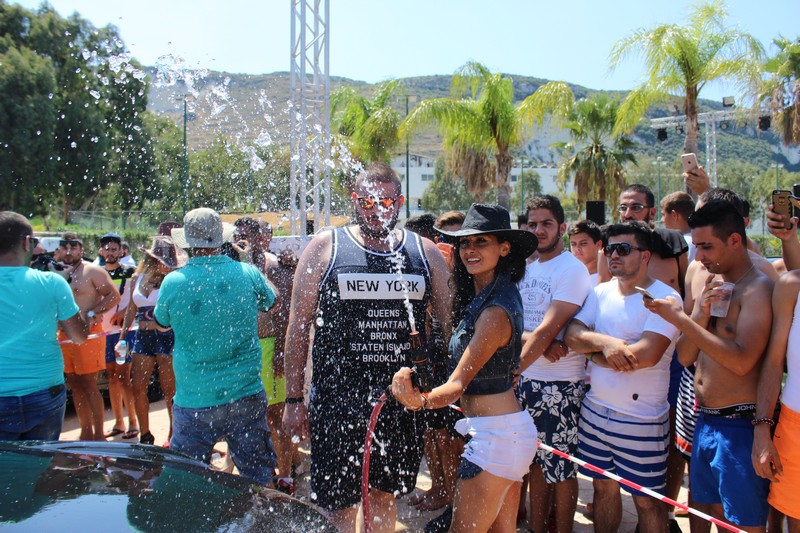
(644, 293)
(689, 162)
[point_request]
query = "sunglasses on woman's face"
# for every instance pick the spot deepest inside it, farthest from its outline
(368, 202)
(622, 248)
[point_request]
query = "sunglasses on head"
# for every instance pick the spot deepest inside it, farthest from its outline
(622, 249)
(69, 243)
(368, 202)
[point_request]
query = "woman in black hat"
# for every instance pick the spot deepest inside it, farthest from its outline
(484, 357)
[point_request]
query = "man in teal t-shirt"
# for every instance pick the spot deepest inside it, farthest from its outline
(32, 305)
(212, 305)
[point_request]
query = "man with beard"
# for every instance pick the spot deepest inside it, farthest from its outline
(119, 376)
(551, 389)
(364, 289)
(624, 426)
(727, 347)
(95, 294)
(32, 304)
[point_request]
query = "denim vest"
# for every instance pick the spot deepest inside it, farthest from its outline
(497, 374)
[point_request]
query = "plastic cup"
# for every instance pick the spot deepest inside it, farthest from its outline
(719, 308)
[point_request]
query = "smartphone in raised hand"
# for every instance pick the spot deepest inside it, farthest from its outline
(644, 292)
(689, 162)
(782, 206)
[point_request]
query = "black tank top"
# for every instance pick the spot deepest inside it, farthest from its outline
(362, 328)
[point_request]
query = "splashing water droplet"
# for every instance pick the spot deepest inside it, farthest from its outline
(320, 322)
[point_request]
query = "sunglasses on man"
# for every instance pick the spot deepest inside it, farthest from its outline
(622, 248)
(633, 208)
(368, 202)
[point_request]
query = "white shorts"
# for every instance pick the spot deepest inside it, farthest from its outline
(503, 445)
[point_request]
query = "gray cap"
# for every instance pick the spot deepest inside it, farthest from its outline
(202, 228)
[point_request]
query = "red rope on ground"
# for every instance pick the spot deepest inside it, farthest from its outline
(638, 487)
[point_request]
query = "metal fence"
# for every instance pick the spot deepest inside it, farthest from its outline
(122, 220)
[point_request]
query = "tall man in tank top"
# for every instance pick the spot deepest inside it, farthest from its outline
(727, 350)
(625, 413)
(356, 287)
(554, 288)
(95, 294)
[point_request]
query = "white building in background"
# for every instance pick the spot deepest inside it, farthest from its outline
(422, 173)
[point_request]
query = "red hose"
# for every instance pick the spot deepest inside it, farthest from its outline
(373, 421)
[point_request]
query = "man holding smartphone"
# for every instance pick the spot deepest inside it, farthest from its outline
(727, 349)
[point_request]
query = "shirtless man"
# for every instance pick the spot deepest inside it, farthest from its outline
(727, 351)
(95, 294)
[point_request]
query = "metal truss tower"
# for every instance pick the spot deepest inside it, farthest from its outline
(710, 119)
(310, 115)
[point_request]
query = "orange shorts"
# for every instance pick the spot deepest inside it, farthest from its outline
(783, 496)
(87, 358)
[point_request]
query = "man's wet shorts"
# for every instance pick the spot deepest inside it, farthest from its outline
(86, 358)
(631, 447)
(555, 407)
(275, 387)
(722, 470)
(785, 496)
(337, 447)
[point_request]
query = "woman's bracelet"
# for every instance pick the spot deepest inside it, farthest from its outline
(294, 399)
(768, 421)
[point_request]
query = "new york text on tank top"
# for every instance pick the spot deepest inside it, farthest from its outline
(362, 329)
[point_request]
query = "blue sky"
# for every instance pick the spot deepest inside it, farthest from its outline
(374, 40)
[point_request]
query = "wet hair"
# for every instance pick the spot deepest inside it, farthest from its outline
(650, 198)
(545, 201)
(449, 218)
(381, 173)
(266, 227)
(641, 232)
(680, 202)
(422, 225)
(589, 227)
(727, 195)
(13, 229)
(464, 288)
(745, 207)
(249, 224)
(722, 216)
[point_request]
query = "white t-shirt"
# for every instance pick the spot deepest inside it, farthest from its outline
(641, 393)
(692, 247)
(564, 279)
(791, 392)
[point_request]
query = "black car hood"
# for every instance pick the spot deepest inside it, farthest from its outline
(107, 486)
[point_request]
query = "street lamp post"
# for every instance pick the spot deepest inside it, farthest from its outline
(777, 167)
(659, 162)
(521, 184)
(185, 176)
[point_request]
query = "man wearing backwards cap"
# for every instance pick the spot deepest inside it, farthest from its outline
(212, 305)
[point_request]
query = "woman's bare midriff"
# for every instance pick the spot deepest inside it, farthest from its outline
(503, 403)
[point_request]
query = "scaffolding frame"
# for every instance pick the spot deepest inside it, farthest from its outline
(309, 109)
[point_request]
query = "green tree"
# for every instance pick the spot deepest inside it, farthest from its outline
(681, 59)
(447, 192)
(481, 116)
(596, 158)
(782, 89)
(27, 115)
(528, 184)
(368, 126)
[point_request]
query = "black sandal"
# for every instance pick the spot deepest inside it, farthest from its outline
(147, 438)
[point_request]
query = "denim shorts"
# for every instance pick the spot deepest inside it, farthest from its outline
(35, 416)
(243, 423)
(111, 342)
(153, 342)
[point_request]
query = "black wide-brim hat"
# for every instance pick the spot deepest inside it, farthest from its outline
(495, 220)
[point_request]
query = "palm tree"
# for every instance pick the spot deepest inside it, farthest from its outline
(481, 117)
(681, 60)
(782, 89)
(368, 127)
(595, 157)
